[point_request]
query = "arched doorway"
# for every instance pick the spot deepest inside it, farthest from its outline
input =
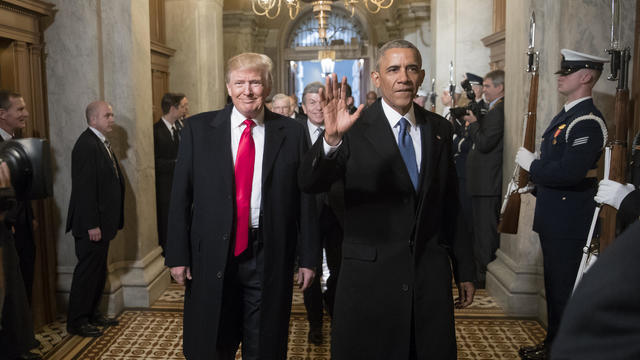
(346, 50)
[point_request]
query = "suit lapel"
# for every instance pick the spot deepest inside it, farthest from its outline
(221, 155)
(273, 138)
(378, 128)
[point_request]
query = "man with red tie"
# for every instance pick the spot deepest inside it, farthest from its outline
(236, 217)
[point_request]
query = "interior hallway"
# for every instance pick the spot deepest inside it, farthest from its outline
(483, 332)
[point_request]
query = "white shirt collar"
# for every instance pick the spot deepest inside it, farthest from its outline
(98, 134)
(237, 118)
(393, 116)
(168, 124)
(494, 102)
(5, 135)
(568, 106)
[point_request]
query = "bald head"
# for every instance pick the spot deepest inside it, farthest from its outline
(99, 116)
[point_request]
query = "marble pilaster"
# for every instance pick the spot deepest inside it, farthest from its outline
(413, 24)
(515, 278)
(194, 29)
(457, 27)
(100, 50)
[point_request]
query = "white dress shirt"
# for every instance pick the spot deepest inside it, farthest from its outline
(101, 137)
(169, 126)
(314, 131)
(237, 127)
(5, 135)
(394, 121)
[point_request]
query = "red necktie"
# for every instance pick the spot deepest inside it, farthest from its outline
(245, 159)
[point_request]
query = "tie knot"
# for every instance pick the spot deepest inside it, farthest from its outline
(249, 123)
(403, 124)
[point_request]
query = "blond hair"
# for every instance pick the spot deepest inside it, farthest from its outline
(251, 61)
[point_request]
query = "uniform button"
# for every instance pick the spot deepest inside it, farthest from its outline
(405, 287)
(564, 198)
(219, 275)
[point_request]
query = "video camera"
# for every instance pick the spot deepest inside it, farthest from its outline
(29, 163)
(460, 112)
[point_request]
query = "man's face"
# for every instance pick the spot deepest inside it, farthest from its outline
(248, 90)
(491, 92)
(399, 77)
(371, 98)
(312, 107)
(282, 106)
(477, 89)
(16, 116)
(445, 98)
(103, 118)
(183, 108)
(567, 84)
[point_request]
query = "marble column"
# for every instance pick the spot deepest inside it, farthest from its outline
(99, 49)
(515, 278)
(457, 30)
(194, 29)
(413, 24)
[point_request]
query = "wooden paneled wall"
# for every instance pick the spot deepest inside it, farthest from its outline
(22, 70)
(160, 55)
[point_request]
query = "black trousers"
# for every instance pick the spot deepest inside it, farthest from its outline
(89, 278)
(26, 248)
(16, 334)
(243, 296)
(332, 242)
(486, 240)
(561, 260)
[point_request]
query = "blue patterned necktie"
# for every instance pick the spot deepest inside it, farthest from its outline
(405, 144)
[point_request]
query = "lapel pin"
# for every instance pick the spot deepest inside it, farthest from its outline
(438, 137)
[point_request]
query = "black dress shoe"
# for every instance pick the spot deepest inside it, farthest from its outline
(84, 330)
(536, 355)
(532, 348)
(103, 321)
(315, 336)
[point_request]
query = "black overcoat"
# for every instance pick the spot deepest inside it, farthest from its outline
(395, 268)
(201, 227)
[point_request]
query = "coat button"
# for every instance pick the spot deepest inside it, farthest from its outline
(564, 198)
(405, 287)
(219, 275)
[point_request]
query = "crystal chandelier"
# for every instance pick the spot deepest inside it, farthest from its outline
(271, 8)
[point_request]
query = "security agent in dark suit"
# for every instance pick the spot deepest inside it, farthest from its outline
(236, 257)
(401, 213)
(328, 205)
(166, 139)
(96, 213)
(484, 172)
(19, 219)
(565, 181)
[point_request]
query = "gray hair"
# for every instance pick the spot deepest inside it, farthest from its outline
(278, 97)
(397, 44)
(496, 76)
(312, 88)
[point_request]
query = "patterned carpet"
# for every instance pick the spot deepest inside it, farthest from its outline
(483, 332)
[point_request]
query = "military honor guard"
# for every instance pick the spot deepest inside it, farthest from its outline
(564, 174)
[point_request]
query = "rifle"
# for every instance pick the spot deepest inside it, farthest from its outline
(433, 95)
(452, 85)
(618, 145)
(510, 212)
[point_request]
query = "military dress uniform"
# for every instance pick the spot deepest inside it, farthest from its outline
(565, 179)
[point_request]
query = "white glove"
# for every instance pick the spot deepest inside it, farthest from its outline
(612, 193)
(524, 158)
(527, 189)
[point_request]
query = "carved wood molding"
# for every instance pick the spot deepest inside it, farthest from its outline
(29, 6)
(496, 44)
(162, 49)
